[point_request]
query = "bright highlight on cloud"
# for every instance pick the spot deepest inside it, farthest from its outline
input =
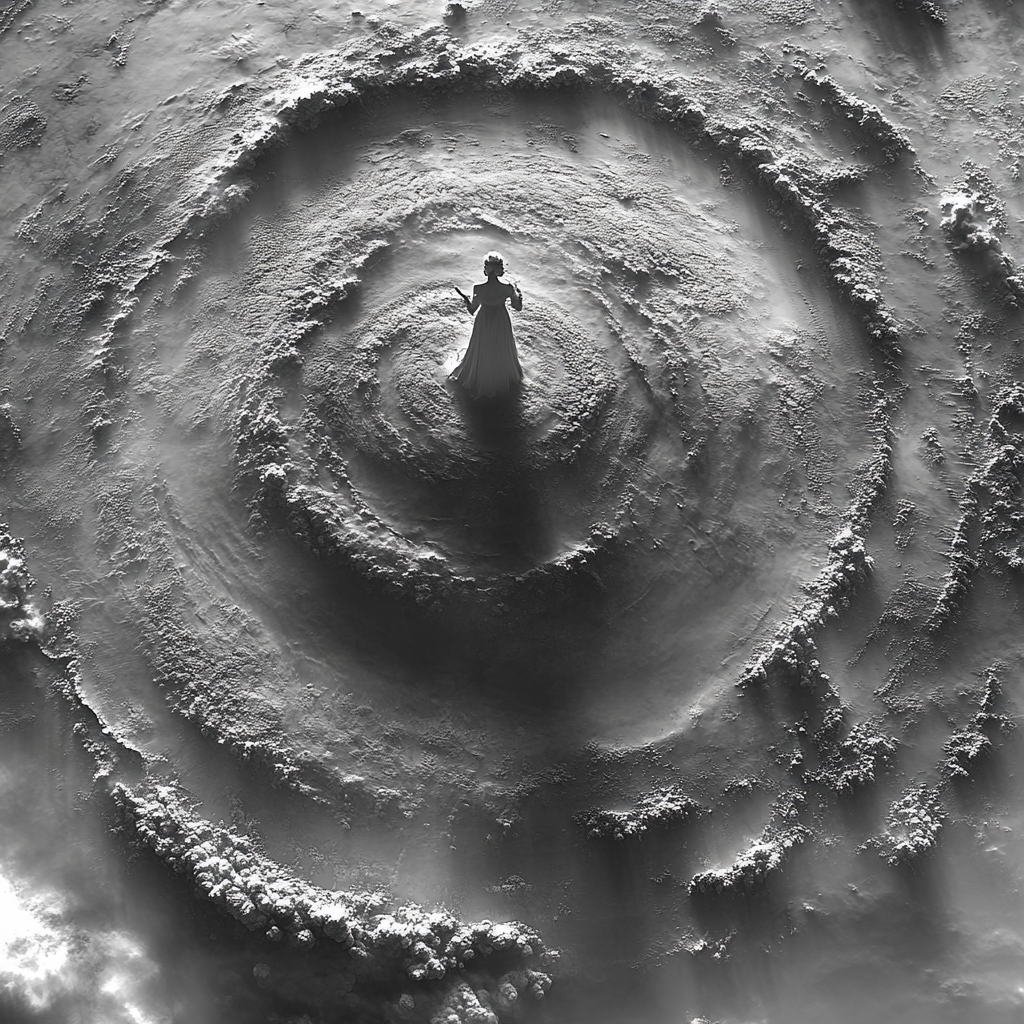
(33, 954)
(46, 963)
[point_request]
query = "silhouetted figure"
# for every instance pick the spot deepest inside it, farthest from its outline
(491, 363)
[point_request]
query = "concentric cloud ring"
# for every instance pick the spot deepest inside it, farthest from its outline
(693, 591)
(671, 349)
(659, 282)
(696, 347)
(701, 360)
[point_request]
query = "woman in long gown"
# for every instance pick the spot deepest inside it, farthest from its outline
(491, 363)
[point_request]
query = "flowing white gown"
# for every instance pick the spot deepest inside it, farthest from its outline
(491, 363)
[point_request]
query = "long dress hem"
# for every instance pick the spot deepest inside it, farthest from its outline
(491, 364)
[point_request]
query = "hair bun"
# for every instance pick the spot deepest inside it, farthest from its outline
(495, 258)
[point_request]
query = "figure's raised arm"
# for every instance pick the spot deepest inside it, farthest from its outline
(471, 304)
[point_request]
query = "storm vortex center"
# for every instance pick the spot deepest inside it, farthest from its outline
(692, 657)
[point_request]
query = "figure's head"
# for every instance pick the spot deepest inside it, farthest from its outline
(494, 263)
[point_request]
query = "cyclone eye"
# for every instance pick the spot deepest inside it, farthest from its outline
(492, 486)
(396, 602)
(659, 326)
